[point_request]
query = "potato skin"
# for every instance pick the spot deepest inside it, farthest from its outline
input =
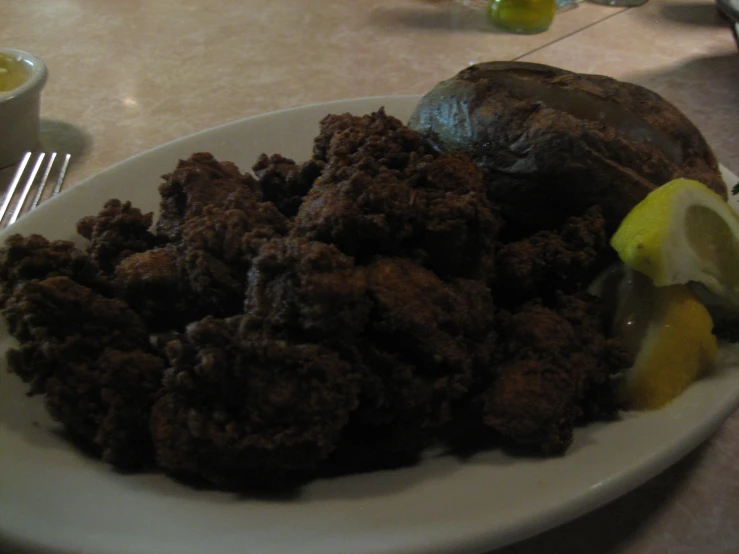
(550, 136)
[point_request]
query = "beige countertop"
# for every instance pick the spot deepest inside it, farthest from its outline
(127, 76)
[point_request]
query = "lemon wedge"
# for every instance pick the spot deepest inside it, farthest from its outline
(683, 232)
(671, 331)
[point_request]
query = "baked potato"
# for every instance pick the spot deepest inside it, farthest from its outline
(555, 142)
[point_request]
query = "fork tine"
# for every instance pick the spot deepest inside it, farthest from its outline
(14, 184)
(62, 173)
(30, 177)
(29, 183)
(42, 183)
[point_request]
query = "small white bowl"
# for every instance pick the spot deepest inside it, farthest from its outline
(20, 109)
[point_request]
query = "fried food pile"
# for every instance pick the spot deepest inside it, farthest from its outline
(346, 311)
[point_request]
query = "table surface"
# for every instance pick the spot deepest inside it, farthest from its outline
(127, 76)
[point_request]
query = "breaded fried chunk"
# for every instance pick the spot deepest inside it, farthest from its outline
(567, 259)
(555, 368)
(383, 192)
(284, 182)
(348, 140)
(240, 407)
(118, 231)
(91, 358)
(235, 235)
(175, 285)
(308, 289)
(34, 257)
(432, 322)
(204, 272)
(424, 342)
(197, 183)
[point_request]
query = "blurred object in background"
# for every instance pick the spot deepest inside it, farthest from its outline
(565, 5)
(522, 16)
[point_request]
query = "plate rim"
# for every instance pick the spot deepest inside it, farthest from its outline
(544, 519)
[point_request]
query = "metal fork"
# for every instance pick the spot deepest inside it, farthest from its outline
(21, 205)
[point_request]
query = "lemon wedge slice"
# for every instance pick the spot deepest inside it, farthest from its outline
(683, 232)
(671, 331)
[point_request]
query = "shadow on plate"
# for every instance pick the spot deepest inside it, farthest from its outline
(471, 446)
(609, 529)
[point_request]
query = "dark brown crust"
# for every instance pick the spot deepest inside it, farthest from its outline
(97, 371)
(239, 406)
(556, 358)
(381, 316)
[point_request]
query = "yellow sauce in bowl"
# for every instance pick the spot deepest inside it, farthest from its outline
(13, 73)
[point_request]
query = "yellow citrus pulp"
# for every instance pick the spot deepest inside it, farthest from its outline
(683, 232)
(670, 329)
(680, 233)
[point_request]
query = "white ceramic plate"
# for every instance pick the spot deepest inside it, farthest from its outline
(54, 499)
